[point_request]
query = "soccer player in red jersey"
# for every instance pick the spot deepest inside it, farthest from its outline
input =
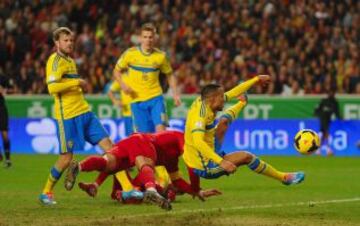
(144, 151)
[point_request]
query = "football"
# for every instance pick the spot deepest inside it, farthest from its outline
(306, 141)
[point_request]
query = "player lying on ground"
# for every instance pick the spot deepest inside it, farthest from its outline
(143, 150)
(167, 185)
(169, 147)
(131, 191)
(203, 157)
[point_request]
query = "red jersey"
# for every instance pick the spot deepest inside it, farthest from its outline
(128, 149)
(169, 146)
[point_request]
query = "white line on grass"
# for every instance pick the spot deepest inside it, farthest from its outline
(265, 206)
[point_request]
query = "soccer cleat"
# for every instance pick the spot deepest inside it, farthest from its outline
(71, 174)
(89, 188)
(294, 178)
(152, 197)
(132, 195)
(7, 164)
(47, 199)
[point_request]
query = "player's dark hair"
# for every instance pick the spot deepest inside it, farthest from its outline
(208, 90)
(148, 27)
(59, 31)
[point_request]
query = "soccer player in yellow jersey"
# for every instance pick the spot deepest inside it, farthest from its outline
(75, 122)
(123, 101)
(143, 64)
(202, 150)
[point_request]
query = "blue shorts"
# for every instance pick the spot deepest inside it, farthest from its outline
(72, 133)
(148, 114)
(128, 125)
(212, 170)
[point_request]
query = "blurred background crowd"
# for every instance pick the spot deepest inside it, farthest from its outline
(307, 46)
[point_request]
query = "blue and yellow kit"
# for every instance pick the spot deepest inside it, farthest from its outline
(75, 122)
(143, 71)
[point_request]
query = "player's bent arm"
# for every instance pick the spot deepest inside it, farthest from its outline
(241, 88)
(221, 128)
(58, 87)
(113, 99)
(180, 183)
(204, 148)
(173, 85)
(182, 186)
(226, 119)
(118, 77)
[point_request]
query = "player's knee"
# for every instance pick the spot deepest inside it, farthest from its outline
(110, 163)
(248, 157)
(64, 161)
(142, 161)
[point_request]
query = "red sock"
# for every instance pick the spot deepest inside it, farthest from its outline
(101, 178)
(92, 163)
(159, 189)
(146, 176)
(183, 186)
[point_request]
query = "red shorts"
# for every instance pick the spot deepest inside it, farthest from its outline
(128, 149)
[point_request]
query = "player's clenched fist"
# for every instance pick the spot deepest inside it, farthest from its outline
(264, 79)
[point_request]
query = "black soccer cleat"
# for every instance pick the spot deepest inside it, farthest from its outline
(71, 174)
(152, 197)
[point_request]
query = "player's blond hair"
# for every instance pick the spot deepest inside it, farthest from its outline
(61, 30)
(148, 27)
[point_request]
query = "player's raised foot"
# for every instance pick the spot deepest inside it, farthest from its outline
(89, 188)
(47, 199)
(294, 178)
(71, 174)
(132, 195)
(153, 197)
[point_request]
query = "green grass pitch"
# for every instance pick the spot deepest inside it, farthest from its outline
(330, 195)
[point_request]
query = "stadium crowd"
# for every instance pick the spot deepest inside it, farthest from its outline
(306, 46)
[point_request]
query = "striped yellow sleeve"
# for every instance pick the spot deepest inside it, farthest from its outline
(198, 135)
(58, 87)
(241, 88)
(165, 67)
(123, 61)
(53, 69)
(232, 112)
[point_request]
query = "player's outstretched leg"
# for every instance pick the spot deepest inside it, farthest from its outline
(71, 174)
(261, 167)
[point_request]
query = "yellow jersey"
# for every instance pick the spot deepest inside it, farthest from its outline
(143, 71)
(200, 128)
(125, 98)
(63, 83)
